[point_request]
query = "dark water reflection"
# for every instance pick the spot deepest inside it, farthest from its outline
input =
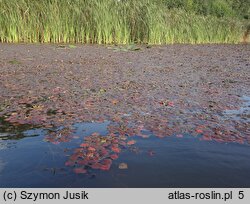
(11, 132)
(152, 162)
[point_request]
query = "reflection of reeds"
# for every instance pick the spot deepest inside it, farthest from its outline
(109, 21)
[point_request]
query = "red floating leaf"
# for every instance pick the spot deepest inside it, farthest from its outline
(114, 156)
(105, 167)
(106, 144)
(79, 154)
(171, 103)
(219, 140)
(115, 141)
(240, 141)
(74, 157)
(104, 152)
(69, 163)
(144, 136)
(78, 150)
(95, 134)
(167, 103)
(122, 143)
(84, 145)
(92, 149)
(116, 149)
(96, 166)
(83, 162)
(140, 127)
(199, 131)
(131, 142)
(207, 138)
(80, 171)
(107, 161)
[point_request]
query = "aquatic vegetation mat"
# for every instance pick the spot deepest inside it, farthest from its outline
(175, 91)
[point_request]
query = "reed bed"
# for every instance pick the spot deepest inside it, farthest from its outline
(111, 22)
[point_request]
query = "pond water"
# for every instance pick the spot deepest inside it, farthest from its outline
(31, 160)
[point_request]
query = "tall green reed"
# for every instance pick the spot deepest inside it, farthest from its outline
(110, 21)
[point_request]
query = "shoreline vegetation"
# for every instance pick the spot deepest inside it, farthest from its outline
(124, 21)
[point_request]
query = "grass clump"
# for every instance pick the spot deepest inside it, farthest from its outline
(112, 21)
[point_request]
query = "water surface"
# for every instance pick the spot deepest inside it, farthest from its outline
(153, 162)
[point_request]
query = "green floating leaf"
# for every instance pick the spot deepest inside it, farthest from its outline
(133, 47)
(61, 46)
(14, 61)
(72, 46)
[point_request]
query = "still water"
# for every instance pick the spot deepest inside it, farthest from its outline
(28, 160)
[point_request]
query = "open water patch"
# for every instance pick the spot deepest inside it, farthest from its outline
(171, 161)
